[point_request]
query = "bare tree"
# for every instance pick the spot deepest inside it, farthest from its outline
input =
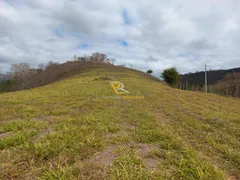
(87, 58)
(113, 60)
(75, 58)
(83, 59)
(99, 57)
(5, 77)
(2, 77)
(232, 76)
(41, 66)
(20, 73)
(51, 64)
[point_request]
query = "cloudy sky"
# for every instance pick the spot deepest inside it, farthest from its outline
(145, 34)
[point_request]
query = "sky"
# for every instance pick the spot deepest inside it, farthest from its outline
(143, 34)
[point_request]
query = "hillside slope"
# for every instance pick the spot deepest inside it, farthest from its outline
(78, 128)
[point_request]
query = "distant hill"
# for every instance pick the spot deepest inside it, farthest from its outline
(213, 76)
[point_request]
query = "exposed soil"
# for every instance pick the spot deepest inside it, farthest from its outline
(106, 157)
(6, 134)
(105, 78)
(127, 126)
(10, 120)
(43, 133)
(151, 163)
(143, 150)
(48, 119)
(162, 118)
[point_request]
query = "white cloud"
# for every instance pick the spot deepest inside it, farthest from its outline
(158, 33)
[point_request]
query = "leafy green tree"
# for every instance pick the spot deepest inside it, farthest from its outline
(171, 76)
(149, 71)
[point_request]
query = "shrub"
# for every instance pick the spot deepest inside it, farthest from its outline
(149, 71)
(171, 76)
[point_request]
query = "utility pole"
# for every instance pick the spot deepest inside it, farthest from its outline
(206, 78)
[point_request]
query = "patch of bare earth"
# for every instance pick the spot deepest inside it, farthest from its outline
(144, 150)
(90, 171)
(232, 178)
(222, 122)
(43, 134)
(96, 166)
(115, 135)
(106, 157)
(6, 134)
(30, 176)
(48, 119)
(162, 118)
(10, 120)
(200, 117)
(127, 126)
(108, 134)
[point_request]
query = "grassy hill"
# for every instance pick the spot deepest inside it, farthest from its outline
(78, 128)
(56, 73)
